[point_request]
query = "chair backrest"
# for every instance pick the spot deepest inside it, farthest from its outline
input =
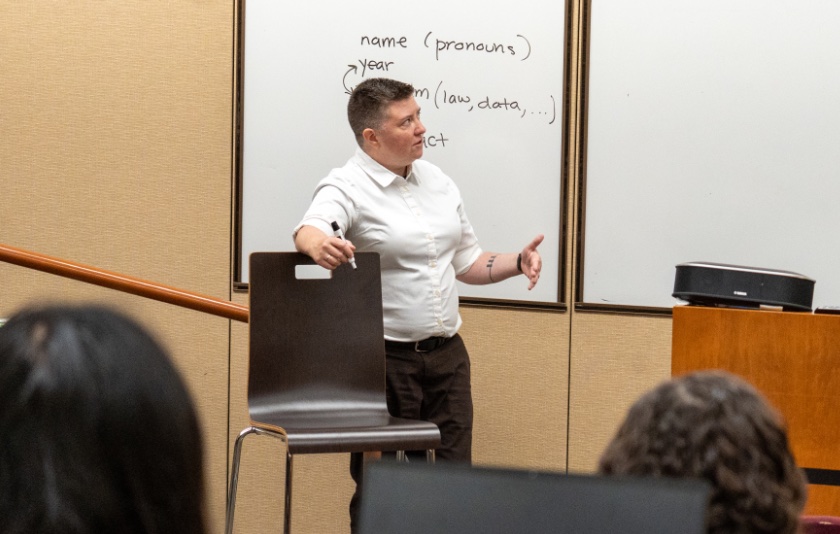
(450, 499)
(316, 344)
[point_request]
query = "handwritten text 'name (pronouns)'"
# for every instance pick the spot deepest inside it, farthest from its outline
(445, 45)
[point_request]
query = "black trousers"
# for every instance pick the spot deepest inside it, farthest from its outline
(430, 386)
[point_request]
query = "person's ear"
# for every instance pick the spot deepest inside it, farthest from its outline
(369, 135)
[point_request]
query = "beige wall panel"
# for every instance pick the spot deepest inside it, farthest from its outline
(614, 359)
(116, 120)
(519, 377)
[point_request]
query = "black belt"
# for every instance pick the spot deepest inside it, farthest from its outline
(426, 345)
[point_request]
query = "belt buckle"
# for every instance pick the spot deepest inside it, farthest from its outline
(432, 342)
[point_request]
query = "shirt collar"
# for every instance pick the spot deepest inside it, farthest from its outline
(378, 173)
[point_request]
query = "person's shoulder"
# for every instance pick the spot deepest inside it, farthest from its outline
(343, 176)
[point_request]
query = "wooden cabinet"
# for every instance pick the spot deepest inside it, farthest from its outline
(793, 358)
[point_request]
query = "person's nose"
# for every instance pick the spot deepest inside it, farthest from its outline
(420, 128)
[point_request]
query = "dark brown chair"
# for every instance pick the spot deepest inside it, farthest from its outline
(316, 378)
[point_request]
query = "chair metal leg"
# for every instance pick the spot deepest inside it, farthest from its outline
(234, 478)
(234, 474)
(287, 516)
(430, 456)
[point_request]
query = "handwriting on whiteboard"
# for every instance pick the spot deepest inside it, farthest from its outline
(446, 94)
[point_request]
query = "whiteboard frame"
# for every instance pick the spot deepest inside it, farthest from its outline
(584, 167)
(560, 304)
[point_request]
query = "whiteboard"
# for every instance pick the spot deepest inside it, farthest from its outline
(489, 78)
(712, 134)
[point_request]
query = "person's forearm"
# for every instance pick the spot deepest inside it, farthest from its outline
(308, 240)
(491, 267)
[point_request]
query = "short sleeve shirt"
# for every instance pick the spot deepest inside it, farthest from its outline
(418, 226)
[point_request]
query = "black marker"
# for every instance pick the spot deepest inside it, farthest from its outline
(339, 234)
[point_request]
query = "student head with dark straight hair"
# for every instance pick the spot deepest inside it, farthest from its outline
(98, 432)
(715, 426)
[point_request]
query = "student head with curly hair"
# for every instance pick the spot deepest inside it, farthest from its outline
(715, 426)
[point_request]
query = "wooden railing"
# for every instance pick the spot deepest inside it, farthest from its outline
(126, 284)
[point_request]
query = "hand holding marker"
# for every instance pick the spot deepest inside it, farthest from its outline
(339, 234)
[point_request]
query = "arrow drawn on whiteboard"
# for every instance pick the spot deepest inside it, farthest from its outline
(529, 47)
(353, 68)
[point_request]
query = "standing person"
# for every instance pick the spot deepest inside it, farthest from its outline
(715, 426)
(98, 432)
(387, 200)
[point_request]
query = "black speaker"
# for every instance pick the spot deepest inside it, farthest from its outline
(718, 284)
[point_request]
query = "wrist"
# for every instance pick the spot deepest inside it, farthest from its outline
(519, 262)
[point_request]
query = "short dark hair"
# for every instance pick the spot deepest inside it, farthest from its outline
(98, 432)
(714, 425)
(370, 99)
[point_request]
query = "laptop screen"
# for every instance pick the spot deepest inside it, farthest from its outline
(451, 499)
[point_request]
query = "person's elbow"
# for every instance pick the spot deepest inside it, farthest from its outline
(469, 276)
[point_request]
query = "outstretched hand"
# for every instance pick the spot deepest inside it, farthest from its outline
(532, 262)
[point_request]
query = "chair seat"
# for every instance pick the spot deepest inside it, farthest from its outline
(342, 432)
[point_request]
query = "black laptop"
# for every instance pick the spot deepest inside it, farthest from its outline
(449, 499)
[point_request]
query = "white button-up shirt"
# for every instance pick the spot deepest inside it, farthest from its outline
(419, 228)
